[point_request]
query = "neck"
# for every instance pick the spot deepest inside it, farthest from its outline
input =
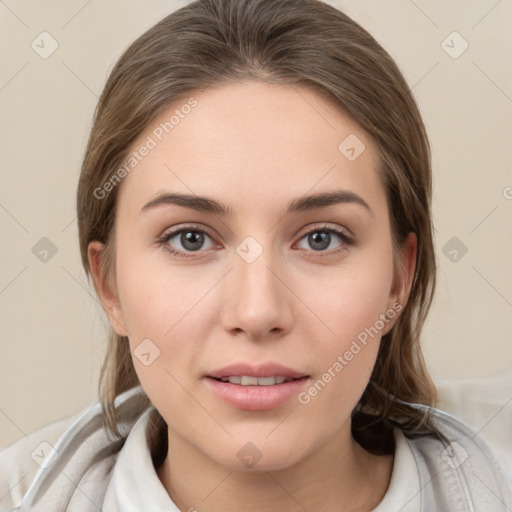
(338, 475)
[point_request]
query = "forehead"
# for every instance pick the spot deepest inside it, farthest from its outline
(247, 140)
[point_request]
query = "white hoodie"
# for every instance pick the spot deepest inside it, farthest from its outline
(81, 469)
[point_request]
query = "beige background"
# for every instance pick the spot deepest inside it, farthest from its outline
(52, 329)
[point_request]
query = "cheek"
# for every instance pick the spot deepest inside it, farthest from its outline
(352, 307)
(155, 297)
(166, 312)
(351, 300)
(346, 359)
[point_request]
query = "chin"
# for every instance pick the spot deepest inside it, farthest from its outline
(253, 457)
(261, 466)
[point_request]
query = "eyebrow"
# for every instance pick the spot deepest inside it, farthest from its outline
(300, 204)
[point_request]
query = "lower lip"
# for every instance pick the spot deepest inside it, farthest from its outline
(256, 398)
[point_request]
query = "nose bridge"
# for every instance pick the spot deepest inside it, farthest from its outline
(258, 300)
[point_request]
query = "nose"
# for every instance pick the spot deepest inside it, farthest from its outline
(258, 301)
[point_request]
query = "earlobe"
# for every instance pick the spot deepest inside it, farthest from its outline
(105, 289)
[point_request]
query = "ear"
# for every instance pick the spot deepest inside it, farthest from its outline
(105, 289)
(403, 277)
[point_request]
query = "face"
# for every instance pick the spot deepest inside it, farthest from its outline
(276, 279)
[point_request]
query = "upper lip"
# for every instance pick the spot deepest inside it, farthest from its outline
(262, 370)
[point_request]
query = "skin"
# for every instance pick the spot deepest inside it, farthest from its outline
(257, 146)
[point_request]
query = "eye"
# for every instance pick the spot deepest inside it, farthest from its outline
(187, 240)
(190, 238)
(320, 238)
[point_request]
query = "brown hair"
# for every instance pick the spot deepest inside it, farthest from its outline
(304, 42)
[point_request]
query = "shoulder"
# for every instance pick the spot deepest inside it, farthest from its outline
(41, 468)
(484, 403)
(20, 462)
(458, 466)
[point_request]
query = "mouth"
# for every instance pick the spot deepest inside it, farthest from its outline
(256, 387)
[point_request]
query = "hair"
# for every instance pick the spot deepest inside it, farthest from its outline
(303, 42)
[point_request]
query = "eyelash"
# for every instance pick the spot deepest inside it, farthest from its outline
(164, 239)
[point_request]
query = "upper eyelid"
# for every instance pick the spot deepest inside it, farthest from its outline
(327, 227)
(190, 227)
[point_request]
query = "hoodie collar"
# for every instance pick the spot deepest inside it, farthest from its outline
(135, 485)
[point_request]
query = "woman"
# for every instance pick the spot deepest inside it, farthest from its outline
(254, 209)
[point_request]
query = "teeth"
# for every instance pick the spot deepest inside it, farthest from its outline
(249, 381)
(244, 380)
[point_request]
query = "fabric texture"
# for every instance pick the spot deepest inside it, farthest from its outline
(85, 470)
(484, 403)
